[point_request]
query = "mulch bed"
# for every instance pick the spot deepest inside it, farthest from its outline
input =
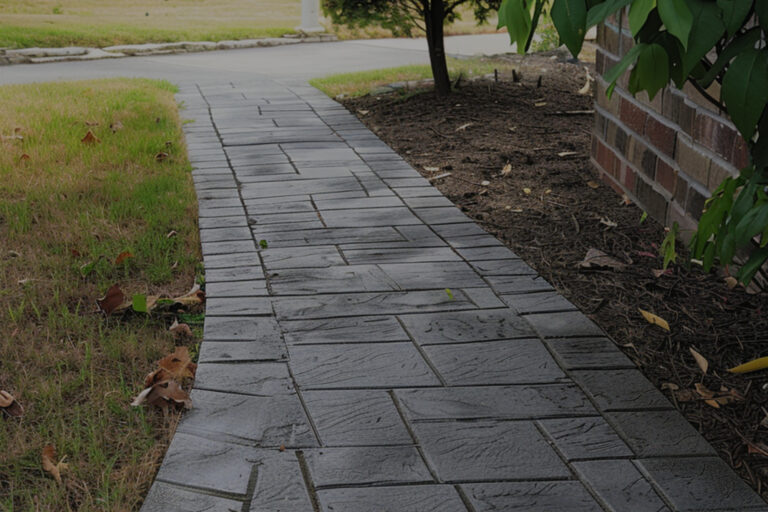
(548, 211)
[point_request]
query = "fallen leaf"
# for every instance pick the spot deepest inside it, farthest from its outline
(112, 301)
(717, 398)
(431, 169)
(564, 154)
(670, 386)
(363, 112)
(10, 406)
(164, 394)
(116, 126)
(599, 259)
(179, 365)
(540, 104)
(192, 297)
(91, 123)
(181, 331)
(751, 366)
(608, 222)
(654, 319)
(625, 200)
(11, 137)
(161, 156)
(700, 360)
(585, 89)
(592, 184)
(24, 157)
(172, 233)
(731, 282)
(122, 257)
(90, 138)
(464, 127)
(527, 191)
(485, 183)
(506, 169)
(657, 273)
(50, 465)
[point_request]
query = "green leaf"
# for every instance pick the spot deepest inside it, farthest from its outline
(677, 18)
(738, 45)
(706, 29)
(753, 223)
(761, 9)
(651, 73)
(750, 268)
(734, 13)
(514, 15)
(638, 13)
(616, 71)
(140, 303)
(745, 90)
(263, 244)
(570, 19)
(602, 10)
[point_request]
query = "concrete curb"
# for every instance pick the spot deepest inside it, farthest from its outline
(75, 53)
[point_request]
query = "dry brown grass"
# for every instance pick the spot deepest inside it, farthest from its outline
(69, 205)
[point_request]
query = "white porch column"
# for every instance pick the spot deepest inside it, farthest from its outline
(310, 16)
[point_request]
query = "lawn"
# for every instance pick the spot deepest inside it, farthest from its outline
(99, 23)
(68, 209)
(361, 83)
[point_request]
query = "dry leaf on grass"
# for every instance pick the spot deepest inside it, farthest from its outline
(592, 184)
(700, 360)
(91, 123)
(654, 319)
(90, 138)
(9, 405)
(596, 258)
(179, 365)
(161, 156)
(50, 465)
(24, 157)
(113, 300)
(122, 257)
(731, 282)
(164, 394)
(116, 126)
(181, 331)
(193, 297)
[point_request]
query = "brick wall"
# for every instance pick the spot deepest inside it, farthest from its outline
(667, 154)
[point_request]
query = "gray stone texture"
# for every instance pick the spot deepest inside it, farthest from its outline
(368, 347)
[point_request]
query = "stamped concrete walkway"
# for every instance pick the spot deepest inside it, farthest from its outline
(381, 352)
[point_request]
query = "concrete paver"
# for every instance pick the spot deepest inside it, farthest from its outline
(368, 347)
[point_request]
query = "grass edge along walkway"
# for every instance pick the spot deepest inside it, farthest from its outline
(68, 209)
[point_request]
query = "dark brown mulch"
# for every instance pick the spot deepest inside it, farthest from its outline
(555, 222)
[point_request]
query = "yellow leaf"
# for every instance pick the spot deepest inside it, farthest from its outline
(654, 319)
(527, 191)
(700, 360)
(751, 366)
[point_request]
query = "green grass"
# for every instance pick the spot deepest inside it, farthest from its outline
(67, 206)
(363, 82)
(99, 23)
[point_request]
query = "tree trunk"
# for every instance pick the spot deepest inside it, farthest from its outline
(434, 18)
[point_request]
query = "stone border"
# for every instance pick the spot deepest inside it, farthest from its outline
(77, 53)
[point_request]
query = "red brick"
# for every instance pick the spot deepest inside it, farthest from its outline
(651, 200)
(666, 175)
(612, 183)
(714, 134)
(661, 136)
(633, 116)
(740, 154)
(628, 177)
